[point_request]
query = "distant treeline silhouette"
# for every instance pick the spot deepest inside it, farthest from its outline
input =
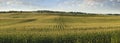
(48, 11)
(39, 11)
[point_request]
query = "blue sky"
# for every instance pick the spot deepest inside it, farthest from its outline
(90, 6)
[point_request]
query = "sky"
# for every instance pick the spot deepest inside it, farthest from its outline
(89, 6)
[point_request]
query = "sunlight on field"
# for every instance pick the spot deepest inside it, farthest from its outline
(42, 28)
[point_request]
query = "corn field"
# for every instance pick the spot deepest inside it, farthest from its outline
(56, 28)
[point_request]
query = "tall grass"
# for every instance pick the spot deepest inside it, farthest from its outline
(42, 28)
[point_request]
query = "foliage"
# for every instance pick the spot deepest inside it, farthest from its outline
(58, 28)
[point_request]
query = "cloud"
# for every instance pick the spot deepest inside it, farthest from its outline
(17, 2)
(98, 6)
(64, 5)
(70, 5)
(14, 2)
(16, 5)
(95, 2)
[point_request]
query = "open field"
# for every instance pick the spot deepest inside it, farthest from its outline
(58, 28)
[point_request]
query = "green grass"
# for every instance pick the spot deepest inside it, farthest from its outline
(58, 28)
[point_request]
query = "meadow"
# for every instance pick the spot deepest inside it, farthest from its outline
(58, 28)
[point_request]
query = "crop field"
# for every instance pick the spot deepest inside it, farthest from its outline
(58, 28)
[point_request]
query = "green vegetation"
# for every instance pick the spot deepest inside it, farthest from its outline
(58, 28)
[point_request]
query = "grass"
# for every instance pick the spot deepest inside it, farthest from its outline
(58, 28)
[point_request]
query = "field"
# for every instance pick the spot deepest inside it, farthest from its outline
(58, 28)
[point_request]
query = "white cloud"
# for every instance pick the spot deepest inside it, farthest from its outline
(14, 2)
(65, 5)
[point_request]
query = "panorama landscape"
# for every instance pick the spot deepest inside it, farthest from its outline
(59, 21)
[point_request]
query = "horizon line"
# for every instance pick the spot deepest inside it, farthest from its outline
(58, 11)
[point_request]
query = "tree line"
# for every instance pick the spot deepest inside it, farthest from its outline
(48, 11)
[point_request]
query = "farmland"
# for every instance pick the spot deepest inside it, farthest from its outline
(58, 28)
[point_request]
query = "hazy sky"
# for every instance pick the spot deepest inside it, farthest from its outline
(91, 6)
